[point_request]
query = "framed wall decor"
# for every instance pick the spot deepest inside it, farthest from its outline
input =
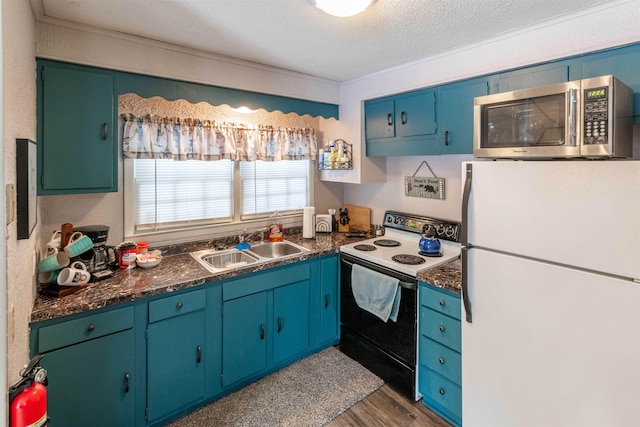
(26, 173)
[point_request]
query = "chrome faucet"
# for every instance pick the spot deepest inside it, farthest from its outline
(243, 236)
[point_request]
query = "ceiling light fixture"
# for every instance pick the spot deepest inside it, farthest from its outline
(342, 8)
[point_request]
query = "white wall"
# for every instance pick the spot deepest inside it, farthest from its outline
(19, 117)
(611, 24)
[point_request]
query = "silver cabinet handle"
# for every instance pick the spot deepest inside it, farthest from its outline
(105, 131)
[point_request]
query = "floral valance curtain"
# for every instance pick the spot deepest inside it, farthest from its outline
(153, 137)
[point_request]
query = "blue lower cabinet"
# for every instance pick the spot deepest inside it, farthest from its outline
(439, 357)
(291, 320)
(175, 363)
(92, 384)
(442, 395)
(329, 303)
(90, 363)
(244, 337)
(253, 340)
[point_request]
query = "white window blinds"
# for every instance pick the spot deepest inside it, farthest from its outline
(177, 195)
(172, 194)
(270, 186)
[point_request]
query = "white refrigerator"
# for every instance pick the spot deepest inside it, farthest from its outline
(551, 293)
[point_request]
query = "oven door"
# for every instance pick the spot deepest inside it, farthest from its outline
(386, 348)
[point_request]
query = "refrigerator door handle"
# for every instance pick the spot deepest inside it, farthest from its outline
(464, 238)
(464, 226)
(466, 301)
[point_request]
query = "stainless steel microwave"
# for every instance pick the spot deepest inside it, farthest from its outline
(590, 118)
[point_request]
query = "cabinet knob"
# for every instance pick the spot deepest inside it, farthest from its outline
(403, 118)
(441, 360)
(441, 328)
(91, 328)
(389, 119)
(326, 301)
(179, 305)
(262, 331)
(446, 137)
(441, 391)
(442, 303)
(279, 324)
(126, 382)
(199, 354)
(105, 131)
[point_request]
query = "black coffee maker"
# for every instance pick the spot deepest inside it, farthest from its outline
(101, 260)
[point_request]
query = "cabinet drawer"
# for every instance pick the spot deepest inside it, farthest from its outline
(177, 305)
(441, 359)
(442, 393)
(440, 301)
(441, 328)
(265, 281)
(83, 329)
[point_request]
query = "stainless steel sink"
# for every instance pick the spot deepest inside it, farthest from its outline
(216, 260)
(221, 260)
(276, 249)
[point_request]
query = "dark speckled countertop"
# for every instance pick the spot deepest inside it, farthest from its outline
(447, 276)
(179, 270)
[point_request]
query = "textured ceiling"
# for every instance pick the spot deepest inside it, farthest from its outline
(294, 35)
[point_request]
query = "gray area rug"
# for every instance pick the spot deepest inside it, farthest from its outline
(311, 392)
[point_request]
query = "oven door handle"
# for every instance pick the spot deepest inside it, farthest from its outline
(402, 284)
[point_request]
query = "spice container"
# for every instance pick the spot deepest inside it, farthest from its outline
(143, 248)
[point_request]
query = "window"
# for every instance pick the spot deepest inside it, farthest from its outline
(169, 195)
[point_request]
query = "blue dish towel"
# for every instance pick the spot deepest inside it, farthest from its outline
(375, 292)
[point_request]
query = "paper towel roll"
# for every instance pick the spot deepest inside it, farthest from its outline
(308, 222)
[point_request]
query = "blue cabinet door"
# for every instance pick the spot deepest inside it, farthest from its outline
(175, 363)
(623, 63)
(416, 114)
(244, 337)
(92, 383)
(539, 75)
(379, 119)
(290, 320)
(456, 115)
(77, 136)
(329, 299)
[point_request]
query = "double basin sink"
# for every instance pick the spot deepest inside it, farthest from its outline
(216, 260)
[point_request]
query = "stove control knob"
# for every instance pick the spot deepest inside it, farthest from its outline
(449, 231)
(440, 229)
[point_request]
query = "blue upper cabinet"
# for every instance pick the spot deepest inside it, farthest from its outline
(401, 125)
(456, 115)
(539, 75)
(624, 63)
(77, 136)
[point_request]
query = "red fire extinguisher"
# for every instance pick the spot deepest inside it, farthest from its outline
(28, 397)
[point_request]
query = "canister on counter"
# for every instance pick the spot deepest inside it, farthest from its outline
(128, 252)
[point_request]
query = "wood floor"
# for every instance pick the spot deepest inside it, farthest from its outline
(386, 408)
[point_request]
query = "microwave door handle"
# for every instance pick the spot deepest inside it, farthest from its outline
(573, 104)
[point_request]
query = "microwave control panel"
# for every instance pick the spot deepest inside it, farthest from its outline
(596, 115)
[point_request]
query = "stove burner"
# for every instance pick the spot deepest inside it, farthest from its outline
(408, 259)
(366, 248)
(387, 243)
(432, 255)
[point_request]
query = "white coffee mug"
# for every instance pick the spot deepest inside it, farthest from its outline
(74, 275)
(53, 245)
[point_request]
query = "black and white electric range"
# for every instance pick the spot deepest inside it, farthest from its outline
(389, 349)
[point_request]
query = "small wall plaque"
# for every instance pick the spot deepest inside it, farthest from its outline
(425, 187)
